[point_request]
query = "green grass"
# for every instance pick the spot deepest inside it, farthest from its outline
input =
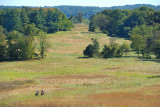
(64, 59)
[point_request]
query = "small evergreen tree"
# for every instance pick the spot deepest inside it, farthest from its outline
(92, 50)
(89, 51)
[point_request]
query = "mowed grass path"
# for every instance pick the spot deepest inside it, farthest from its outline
(68, 79)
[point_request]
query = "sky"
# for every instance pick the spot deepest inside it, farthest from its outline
(100, 3)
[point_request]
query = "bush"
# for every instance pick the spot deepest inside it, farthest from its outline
(92, 50)
(111, 51)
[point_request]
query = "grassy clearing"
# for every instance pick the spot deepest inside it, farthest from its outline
(68, 79)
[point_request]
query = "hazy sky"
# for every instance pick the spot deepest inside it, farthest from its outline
(101, 3)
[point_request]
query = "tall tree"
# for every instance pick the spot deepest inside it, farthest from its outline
(143, 30)
(79, 17)
(40, 19)
(26, 48)
(30, 30)
(2, 44)
(20, 47)
(125, 47)
(12, 20)
(101, 22)
(14, 45)
(138, 43)
(24, 16)
(43, 43)
(156, 44)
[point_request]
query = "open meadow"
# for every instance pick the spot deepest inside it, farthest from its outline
(71, 80)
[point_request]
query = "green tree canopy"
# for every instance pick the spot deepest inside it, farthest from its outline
(2, 44)
(42, 43)
(79, 17)
(92, 50)
(138, 43)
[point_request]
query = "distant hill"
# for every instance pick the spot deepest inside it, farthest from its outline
(73, 10)
(135, 6)
(87, 10)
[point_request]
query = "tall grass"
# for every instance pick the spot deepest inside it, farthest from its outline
(69, 80)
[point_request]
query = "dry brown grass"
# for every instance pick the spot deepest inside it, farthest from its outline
(139, 98)
(71, 81)
(77, 79)
(14, 84)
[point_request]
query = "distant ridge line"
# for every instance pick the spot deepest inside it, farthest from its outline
(87, 10)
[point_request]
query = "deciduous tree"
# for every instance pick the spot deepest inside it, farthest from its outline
(138, 43)
(79, 17)
(42, 43)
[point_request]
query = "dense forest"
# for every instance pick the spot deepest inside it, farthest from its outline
(88, 11)
(20, 28)
(124, 23)
(141, 26)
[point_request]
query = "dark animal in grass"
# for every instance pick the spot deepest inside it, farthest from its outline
(42, 92)
(37, 93)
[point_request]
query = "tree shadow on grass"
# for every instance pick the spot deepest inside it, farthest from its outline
(116, 36)
(156, 76)
(150, 60)
(91, 32)
(128, 57)
(84, 57)
(9, 60)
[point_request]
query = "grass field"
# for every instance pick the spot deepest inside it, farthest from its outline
(70, 80)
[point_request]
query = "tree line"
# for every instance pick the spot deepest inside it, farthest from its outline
(123, 23)
(88, 10)
(23, 31)
(141, 26)
(49, 20)
(142, 46)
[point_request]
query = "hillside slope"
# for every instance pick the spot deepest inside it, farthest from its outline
(70, 79)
